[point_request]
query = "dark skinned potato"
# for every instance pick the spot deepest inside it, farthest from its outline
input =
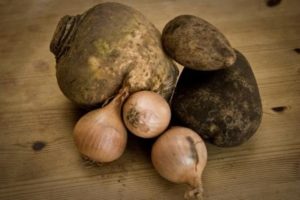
(108, 48)
(196, 44)
(223, 106)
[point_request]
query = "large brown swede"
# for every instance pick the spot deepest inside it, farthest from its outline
(109, 47)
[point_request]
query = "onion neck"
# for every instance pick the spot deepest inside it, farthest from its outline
(194, 192)
(63, 35)
(119, 99)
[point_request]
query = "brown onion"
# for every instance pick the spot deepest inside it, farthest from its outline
(180, 155)
(100, 135)
(146, 114)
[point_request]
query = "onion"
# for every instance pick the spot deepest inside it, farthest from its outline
(100, 135)
(146, 114)
(180, 155)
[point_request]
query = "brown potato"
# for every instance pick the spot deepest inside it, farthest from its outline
(196, 44)
(223, 106)
(109, 47)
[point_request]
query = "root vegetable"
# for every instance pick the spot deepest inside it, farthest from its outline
(108, 47)
(146, 114)
(180, 156)
(196, 44)
(223, 106)
(100, 135)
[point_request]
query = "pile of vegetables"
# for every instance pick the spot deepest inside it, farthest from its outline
(113, 61)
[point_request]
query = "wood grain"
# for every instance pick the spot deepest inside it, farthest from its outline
(32, 109)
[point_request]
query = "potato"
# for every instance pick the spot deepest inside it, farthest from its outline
(109, 47)
(196, 44)
(223, 106)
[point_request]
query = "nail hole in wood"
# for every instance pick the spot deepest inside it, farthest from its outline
(272, 3)
(297, 50)
(38, 145)
(279, 108)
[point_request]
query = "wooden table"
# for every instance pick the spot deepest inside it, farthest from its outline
(38, 159)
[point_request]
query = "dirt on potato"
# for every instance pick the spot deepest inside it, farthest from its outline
(197, 44)
(223, 106)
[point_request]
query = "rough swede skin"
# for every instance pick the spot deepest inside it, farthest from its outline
(109, 47)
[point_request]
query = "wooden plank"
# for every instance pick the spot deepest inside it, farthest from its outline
(34, 111)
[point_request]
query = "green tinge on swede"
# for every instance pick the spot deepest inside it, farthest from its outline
(109, 47)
